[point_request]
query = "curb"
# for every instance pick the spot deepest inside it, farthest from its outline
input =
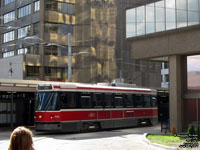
(157, 145)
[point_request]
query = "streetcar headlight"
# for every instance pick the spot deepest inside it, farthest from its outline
(40, 116)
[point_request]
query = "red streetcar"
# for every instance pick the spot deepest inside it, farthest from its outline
(69, 107)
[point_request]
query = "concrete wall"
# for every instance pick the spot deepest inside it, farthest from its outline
(17, 67)
(180, 41)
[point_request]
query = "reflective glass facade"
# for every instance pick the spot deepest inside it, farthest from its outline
(6, 2)
(8, 17)
(8, 54)
(161, 16)
(22, 32)
(36, 6)
(24, 11)
(9, 36)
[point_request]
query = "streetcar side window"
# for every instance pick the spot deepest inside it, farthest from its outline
(86, 101)
(153, 101)
(128, 101)
(97, 100)
(108, 100)
(118, 101)
(147, 101)
(67, 100)
(138, 101)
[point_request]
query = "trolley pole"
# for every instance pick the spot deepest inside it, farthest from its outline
(69, 58)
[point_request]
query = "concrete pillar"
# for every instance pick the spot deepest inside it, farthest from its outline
(176, 65)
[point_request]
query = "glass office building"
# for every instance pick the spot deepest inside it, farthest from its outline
(161, 16)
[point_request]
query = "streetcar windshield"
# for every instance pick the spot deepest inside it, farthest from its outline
(48, 101)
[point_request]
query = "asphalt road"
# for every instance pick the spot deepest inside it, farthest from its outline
(121, 139)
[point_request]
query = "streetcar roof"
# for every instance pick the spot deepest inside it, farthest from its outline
(91, 88)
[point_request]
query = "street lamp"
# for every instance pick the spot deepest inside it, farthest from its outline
(69, 58)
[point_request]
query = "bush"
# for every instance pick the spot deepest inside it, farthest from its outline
(198, 132)
(191, 130)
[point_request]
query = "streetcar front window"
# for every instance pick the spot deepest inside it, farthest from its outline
(48, 101)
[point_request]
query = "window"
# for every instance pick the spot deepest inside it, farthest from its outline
(140, 20)
(6, 2)
(24, 11)
(8, 54)
(65, 28)
(130, 23)
(65, 8)
(147, 101)
(51, 28)
(64, 51)
(58, 28)
(22, 51)
(170, 14)
(98, 100)
(36, 6)
(9, 17)
(166, 65)
(67, 100)
(23, 32)
(161, 16)
(193, 12)
(51, 50)
(32, 70)
(138, 101)
(128, 101)
(9, 36)
(181, 13)
(36, 49)
(108, 100)
(167, 77)
(118, 100)
(51, 5)
(150, 18)
(86, 101)
(54, 72)
(36, 28)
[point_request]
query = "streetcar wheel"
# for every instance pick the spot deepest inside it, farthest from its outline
(147, 122)
(84, 127)
(97, 126)
(139, 123)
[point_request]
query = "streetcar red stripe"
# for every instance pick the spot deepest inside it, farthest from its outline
(94, 115)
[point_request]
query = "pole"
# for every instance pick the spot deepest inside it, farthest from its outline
(120, 75)
(197, 105)
(11, 109)
(69, 58)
